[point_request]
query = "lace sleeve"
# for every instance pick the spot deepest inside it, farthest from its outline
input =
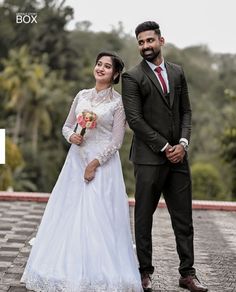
(70, 123)
(118, 132)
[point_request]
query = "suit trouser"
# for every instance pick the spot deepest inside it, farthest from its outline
(174, 181)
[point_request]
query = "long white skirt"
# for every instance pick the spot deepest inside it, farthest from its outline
(84, 240)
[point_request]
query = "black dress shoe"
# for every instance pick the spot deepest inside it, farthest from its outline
(192, 284)
(146, 282)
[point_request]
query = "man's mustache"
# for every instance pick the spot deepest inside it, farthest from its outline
(148, 49)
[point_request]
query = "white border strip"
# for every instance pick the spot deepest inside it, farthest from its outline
(2, 146)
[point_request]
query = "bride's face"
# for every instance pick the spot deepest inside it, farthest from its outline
(103, 70)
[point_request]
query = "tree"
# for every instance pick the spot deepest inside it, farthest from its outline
(12, 34)
(51, 37)
(48, 35)
(31, 90)
(14, 164)
(228, 138)
(20, 80)
(46, 65)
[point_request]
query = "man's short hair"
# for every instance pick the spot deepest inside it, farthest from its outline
(147, 25)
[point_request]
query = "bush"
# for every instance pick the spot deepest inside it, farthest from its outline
(206, 182)
(14, 160)
(127, 165)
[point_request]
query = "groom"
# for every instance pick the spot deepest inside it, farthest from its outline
(157, 108)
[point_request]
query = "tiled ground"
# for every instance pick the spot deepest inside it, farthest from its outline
(215, 247)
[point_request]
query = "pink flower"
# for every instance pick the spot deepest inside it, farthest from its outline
(80, 119)
(87, 120)
(93, 125)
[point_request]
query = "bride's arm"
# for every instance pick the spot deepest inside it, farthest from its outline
(118, 132)
(70, 123)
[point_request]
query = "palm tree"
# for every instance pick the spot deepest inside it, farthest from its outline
(20, 79)
(32, 91)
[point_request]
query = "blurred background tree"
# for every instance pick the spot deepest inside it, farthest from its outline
(44, 65)
(228, 139)
(13, 167)
(206, 182)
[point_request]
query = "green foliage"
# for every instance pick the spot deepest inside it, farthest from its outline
(27, 85)
(34, 103)
(209, 75)
(228, 139)
(229, 143)
(50, 37)
(47, 36)
(43, 66)
(127, 166)
(14, 163)
(44, 169)
(86, 45)
(206, 182)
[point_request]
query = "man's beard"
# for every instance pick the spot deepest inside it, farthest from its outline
(151, 56)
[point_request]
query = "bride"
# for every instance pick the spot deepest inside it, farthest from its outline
(84, 240)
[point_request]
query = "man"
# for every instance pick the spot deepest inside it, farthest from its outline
(157, 107)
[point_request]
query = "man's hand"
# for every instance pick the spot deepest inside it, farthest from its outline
(175, 153)
(76, 139)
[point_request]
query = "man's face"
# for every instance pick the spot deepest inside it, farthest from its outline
(149, 44)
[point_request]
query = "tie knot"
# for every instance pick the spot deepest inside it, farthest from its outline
(158, 69)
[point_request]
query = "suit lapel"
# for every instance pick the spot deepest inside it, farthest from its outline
(170, 75)
(151, 75)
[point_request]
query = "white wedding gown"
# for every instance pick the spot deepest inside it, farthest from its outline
(84, 241)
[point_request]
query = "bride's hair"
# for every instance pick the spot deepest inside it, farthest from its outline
(117, 63)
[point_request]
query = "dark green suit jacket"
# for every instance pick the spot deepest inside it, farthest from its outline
(154, 118)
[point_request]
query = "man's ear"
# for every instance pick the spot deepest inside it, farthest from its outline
(162, 40)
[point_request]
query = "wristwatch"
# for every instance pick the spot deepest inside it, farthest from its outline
(184, 144)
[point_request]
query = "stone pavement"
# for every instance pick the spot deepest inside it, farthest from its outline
(215, 246)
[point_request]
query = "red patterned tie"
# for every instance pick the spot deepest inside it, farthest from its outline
(158, 71)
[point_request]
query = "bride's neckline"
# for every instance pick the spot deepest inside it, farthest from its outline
(102, 91)
(98, 97)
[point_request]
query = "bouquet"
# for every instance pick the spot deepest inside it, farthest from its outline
(87, 120)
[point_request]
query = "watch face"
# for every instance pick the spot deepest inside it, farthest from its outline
(185, 145)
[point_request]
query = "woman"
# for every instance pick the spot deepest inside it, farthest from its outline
(84, 241)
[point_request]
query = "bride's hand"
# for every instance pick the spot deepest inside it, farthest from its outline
(76, 139)
(90, 170)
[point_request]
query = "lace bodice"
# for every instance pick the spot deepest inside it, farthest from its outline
(110, 129)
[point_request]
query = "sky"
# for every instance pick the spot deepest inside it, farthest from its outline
(183, 22)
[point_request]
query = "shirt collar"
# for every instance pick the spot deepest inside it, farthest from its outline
(153, 66)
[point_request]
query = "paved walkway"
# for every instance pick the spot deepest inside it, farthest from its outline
(215, 246)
